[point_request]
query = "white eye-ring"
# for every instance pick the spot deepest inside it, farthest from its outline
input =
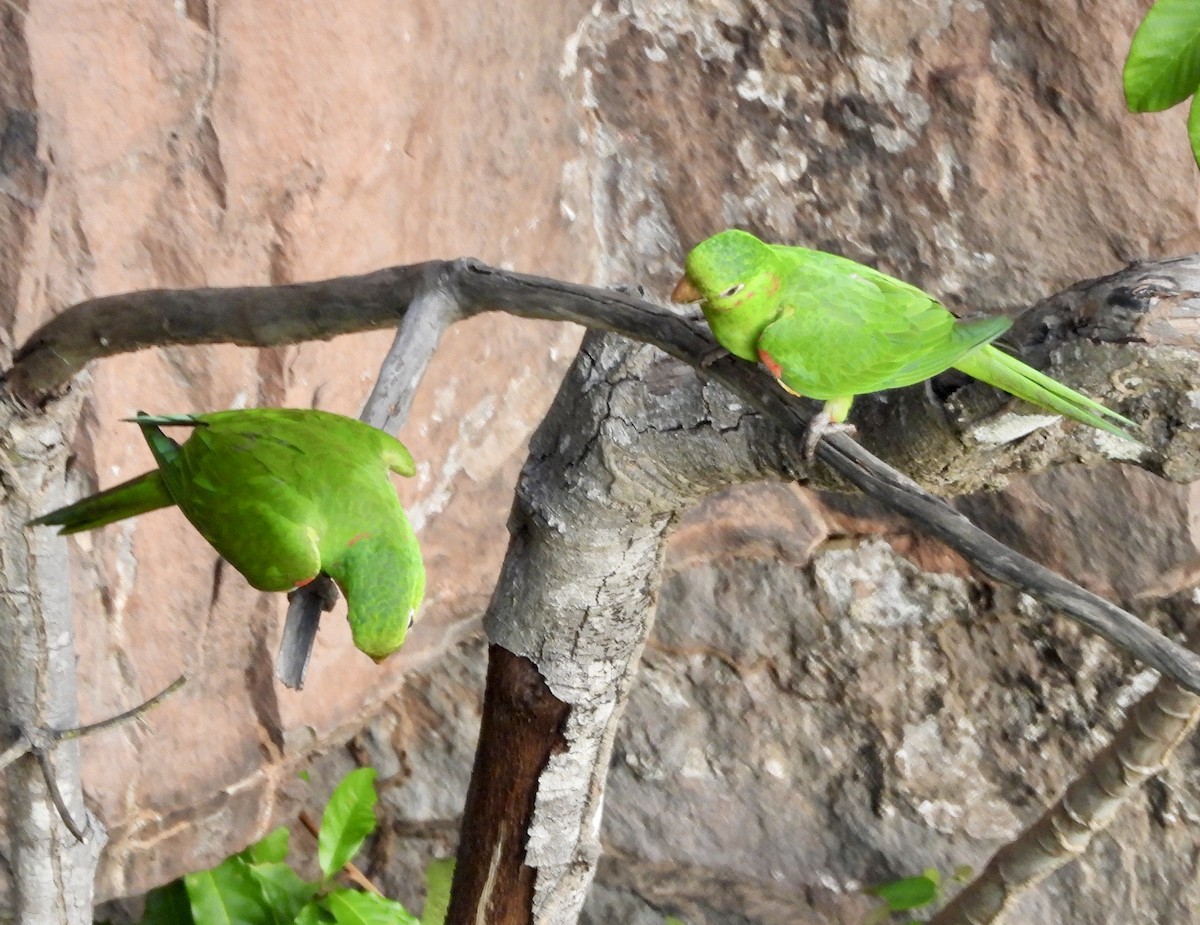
(732, 291)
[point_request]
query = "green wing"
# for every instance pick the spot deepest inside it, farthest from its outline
(284, 494)
(847, 330)
(267, 487)
(236, 482)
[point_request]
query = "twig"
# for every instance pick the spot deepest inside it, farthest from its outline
(430, 315)
(56, 797)
(305, 606)
(1147, 739)
(41, 743)
(421, 329)
(351, 870)
(134, 713)
(900, 493)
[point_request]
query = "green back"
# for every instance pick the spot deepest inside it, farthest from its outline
(834, 328)
(845, 329)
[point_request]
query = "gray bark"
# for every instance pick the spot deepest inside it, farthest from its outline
(631, 442)
(53, 872)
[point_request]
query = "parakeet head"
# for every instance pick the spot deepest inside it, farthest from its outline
(736, 278)
(726, 270)
(384, 582)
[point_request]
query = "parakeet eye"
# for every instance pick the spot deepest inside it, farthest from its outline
(732, 291)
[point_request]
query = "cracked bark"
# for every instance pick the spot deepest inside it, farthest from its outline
(627, 446)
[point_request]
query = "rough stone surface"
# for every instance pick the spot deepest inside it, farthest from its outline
(896, 718)
(828, 701)
(231, 143)
(803, 730)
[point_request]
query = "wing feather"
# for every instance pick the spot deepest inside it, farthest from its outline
(847, 330)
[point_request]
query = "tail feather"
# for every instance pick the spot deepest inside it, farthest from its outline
(165, 450)
(147, 492)
(1008, 373)
(172, 420)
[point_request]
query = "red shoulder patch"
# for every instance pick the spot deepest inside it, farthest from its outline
(776, 370)
(769, 362)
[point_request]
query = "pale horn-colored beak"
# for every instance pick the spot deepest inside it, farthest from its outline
(685, 292)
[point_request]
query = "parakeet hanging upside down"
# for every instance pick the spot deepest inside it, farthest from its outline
(829, 328)
(284, 494)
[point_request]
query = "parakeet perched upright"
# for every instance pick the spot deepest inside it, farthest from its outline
(284, 494)
(829, 328)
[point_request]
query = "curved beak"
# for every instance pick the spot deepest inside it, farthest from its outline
(684, 291)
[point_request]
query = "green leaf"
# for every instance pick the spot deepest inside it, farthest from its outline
(227, 895)
(349, 818)
(271, 849)
(908, 893)
(438, 874)
(313, 914)
(1163, 66)
(350, 907)
(168, 905)
(1194, 128)
(283, 890)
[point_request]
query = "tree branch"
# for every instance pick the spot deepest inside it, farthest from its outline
(53, 862)
(1152, 730)
(606, 480)
(426, 320)
(1150, 303)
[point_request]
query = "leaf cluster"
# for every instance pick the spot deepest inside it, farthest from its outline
(258, 887)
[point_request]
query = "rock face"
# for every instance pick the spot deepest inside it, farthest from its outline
(197, 144)
(828, 702)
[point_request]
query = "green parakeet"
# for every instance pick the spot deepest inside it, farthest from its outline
(829, 328)
(284, 494)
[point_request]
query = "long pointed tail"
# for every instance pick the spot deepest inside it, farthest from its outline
(145, 493)
(1008, 373)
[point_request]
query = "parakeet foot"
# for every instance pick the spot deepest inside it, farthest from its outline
(820, 426)
(324, 589)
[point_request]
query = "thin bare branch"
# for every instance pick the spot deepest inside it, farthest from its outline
(305, 606)
(41, 744)
(250, 316)
(1152, 731)
(262, 316)
(430, 315)
(994, 559)
(20, 746)
(56, 797)
(60, 735)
